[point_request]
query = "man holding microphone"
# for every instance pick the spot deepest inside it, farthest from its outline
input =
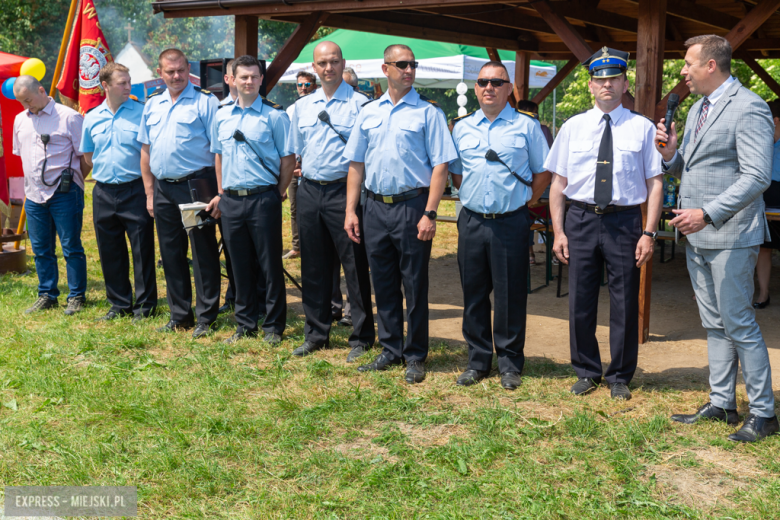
(725, 161)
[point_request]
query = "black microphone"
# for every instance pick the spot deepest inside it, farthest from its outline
(671, 108)
(492, 156)
(325, 118)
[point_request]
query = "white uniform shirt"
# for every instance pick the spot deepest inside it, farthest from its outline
(576, 148)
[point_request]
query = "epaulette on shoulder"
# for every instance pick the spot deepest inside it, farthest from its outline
(202, 90)
(641, 114)
(575, 115)
(363, 94)
(367, 102)
(431, 101)
(226, 105)
(457, 119)
(156, 93)
(272, 104)
(528, 114)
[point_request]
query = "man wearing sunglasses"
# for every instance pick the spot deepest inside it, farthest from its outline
(402, 144)
(494, 225)
(249, 139)
(305, 83)
(320, 127)
(604, 160)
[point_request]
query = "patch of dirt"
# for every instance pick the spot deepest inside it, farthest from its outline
(704, 477)
(427, 436)
(363, 448)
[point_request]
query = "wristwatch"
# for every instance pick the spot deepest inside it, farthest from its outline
(707, 218)
(651, 235)
(430, 214)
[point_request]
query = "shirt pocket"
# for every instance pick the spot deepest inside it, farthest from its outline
(262, 142)
(185, 124)
(101, 136)
(154, 126)
(581, 156)
(517, 148)
(629, 157)
(410, 137)
(343, 123)
(127, 133)
(371, 125)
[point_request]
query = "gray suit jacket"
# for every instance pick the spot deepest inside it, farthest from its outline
(727, 168)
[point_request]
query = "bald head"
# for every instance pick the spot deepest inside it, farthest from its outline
(328, 64)
(30, 93)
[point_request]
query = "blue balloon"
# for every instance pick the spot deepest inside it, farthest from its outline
(8, 88)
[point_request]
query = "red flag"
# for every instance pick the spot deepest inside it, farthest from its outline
(87, 53)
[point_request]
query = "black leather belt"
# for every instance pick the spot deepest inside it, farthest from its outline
(325, 183)
(109, 186)
(392, 199)
(182, 179)
(492, 216)
(593, 208)
(250, 191)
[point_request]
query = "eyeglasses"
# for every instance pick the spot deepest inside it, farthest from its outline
(403, 64)
(307, 85)
(483, 82)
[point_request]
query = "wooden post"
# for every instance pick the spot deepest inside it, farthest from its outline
(293, 47)
(649, 79)
(493, 54)
(736, 37)
(760, 72)
(522, 73)
(246, 36)
(555, 81)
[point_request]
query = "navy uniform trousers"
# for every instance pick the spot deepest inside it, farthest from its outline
(253, 237)
(230, 294)
(119, 210)
(595, 240)
(173, 250)
(396, 257)
(493, 257)
(321, 213)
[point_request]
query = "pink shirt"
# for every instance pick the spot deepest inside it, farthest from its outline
(63, 125)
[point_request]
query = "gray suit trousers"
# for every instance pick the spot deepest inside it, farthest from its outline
(724, 291)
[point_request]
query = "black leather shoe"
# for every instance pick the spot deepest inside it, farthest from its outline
(382, 362)
(235, 338)
(510, 380)
(309, 347)
(755, 428)
(415, 372)
(761, 305)
(357, 352)
(708, 411)
(471, 377)
(201, 331)
(110, 315)
(585, 385)
(346, 321)
(176, 325)
(272, 338)
(621, 391)
(229, 306)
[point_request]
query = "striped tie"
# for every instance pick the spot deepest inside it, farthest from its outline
(705, 106)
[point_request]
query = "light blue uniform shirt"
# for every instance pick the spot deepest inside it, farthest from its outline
(178, 134)
(488, 187)
(319, 146)
(113, 141)
(265, 129)
(400, 144)
(775, 163)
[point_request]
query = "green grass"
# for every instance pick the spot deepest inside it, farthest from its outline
(247, 432)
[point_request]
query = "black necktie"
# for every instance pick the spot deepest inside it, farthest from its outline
(603, 193)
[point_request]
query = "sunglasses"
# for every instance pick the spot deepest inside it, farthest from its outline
(403, 64)
(483, 82)
(307, 85)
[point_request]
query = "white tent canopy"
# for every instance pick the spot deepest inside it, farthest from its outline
(444, 72)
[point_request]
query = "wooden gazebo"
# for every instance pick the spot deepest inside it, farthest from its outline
(651, 30)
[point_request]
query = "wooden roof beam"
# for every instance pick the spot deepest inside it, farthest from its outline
(555, 81)
(599, 17)
(293, 47)
(760, 72)
(699, 13)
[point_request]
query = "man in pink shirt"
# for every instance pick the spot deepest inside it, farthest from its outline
(47, 138)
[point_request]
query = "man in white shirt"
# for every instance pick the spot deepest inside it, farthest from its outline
(604, 161)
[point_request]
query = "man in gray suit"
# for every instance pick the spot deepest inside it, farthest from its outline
(726, 163)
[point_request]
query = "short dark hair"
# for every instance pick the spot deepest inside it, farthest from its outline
(308, 75)
(713, 47)
(170, 55)
(229, 69)
(495, 64)
(390, 48)
(774, 107)
(528, 106)
(246, 61)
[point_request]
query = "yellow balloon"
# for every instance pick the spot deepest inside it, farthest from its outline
(33, 67)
